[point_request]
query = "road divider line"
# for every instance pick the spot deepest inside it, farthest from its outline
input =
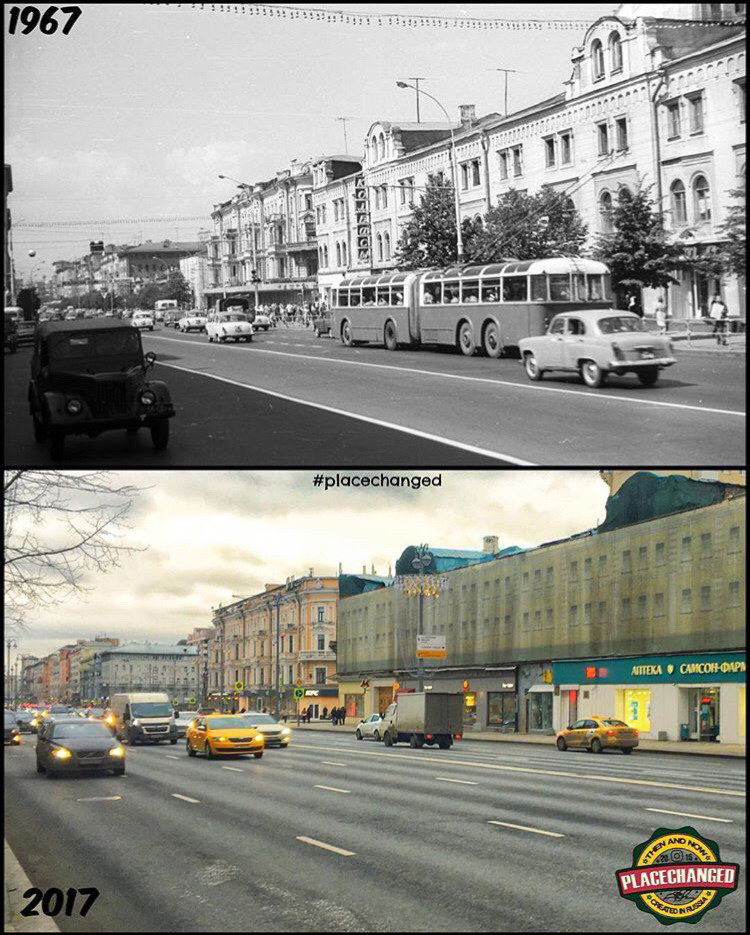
(334, 789)
(176, 795)
(666, 811)
(101, 798)
(533, 387)
(233, 769)
(332, 763)
(328, 847)
(506, 824)
(464, 782)
(428, 436)
(171, 756)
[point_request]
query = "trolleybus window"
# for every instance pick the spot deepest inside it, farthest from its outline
(579, 287)
(398, 297)
(368, 295)
(515, 289)
(491, 290)
(432, 293)
(383, 295)
(596, 287)
(470, 291)
(355, 296)
(539, 288)
(451, 292)
(559, 287)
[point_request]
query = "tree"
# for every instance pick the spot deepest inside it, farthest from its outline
(730, 253)
(429, 239)
(177, 288)
(58, 527)
(637, 250)
(527, 227)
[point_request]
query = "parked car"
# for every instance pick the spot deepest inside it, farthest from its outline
(72, 744)
(322, 325)
(261, 321)
(276, 735)
(12, 733)
(25, 332)
(143, 320)
(226, 326)
(596, 343)
(23, 720)
(90, 377)
(596, 734)
(172, 317)
(11, 333)
(371, 726)
(222, 735)
(192, 321)
(183, 720)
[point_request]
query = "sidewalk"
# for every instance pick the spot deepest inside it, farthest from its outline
(16, 884)
(703, 748)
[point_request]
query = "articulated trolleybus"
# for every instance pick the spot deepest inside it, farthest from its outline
(488, 308)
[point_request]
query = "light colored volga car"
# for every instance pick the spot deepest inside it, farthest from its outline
(192, 321)
(595, 343)
(143, 320)
(228, 326)
(261, 321)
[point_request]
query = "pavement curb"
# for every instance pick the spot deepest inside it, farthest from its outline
(16, 884)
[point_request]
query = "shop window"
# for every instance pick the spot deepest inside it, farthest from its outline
(539, 711)
(501, 710)
(659, 604)
(470, 708)
(686, 604)
(636, 708)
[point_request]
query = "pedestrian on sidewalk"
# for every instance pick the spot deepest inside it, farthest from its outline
(660, 311)
(342, 714)
(634, 305)
(325, 713)
(334, 716)
(719, 313)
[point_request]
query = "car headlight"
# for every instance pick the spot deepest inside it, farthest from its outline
(136, 723)
(117, 751)
(261, 737)
(74, 406)
(148, 398)
(222, 739)
(62, 754)
(34, 722)
(285, 730)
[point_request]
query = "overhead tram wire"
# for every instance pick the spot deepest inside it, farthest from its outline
(100, 222)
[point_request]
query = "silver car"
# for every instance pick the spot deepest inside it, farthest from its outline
(596, 343)
(183, 720)
(276, 735)
(371, 726)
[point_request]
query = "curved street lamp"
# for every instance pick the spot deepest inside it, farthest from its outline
(454, 167)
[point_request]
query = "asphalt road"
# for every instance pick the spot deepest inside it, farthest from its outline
(291, 399)
(336, 835)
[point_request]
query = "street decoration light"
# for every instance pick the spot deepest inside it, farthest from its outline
(454, 167)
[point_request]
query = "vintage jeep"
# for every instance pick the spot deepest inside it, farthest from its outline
(88, 377)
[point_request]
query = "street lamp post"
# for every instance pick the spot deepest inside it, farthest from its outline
(277, 604)
(10, 643)
(422, 559)
(454, 168)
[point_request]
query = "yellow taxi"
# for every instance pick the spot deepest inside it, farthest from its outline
(596, 734)
(223, 734)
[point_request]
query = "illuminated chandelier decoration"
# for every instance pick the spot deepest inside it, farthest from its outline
(426, 585)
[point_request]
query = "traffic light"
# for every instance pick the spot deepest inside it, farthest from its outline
(466, 685)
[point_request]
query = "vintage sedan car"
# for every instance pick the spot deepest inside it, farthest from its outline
(228, 326)
(596, 734)
(223, 735)
(88, 377)
(12, 734)
(322, 325)
(371, 726)
(73, 744)
(143, 320)
(261, 321)
(596, 343)
(276, 734)
(192, 321)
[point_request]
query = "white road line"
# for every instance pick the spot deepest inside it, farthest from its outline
(334, 789)
(316, 345)
(505, 824)
(637, 400)
(333, 763)
(464, 782)
(171, 756)
(234, 769)
(101, 798)
(328, 847)
(472, 449)
(666, 811)
(176, 795)
(300, 345)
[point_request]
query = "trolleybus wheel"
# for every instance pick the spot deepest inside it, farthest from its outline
(389, 336)
(346, 334)
(493, 346)
(466, 339)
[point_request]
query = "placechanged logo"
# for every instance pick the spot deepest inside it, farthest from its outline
(677, 876)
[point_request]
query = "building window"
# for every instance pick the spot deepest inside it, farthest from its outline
(615, 52)
(706, 547)
(740, 85)
(626, 608)
(504, 163)
(734, 594)
(687, 548)
(574, 571)
(602, 564)
(379, 242)
(605, 212)
(549, 151)
(643, 557)
(526, 621)
(320, 676)
(701, 200)
(290, 675)
(695, 113)
(734, 539)
(517, 161)
(387, 245)
(660, 553)
(526, 580)
(642, 605)
(587, 615)
(597, 59)
(602, 611)
(475, 173)
(659, 604)
(464, 176)
(687, 601)
(706, 597)
(507, 623)
(566, 149)
(537, 620)
(338, 253)
(626, 562)
(679, 203)
(550, 575)
(573, 615)
(621, 130)
(384, 189)
(321, 642)
(602, 135)
(343, 253)
(291, 644)
(321, 614)
(550, 619)
(674, 122)
(587, 568)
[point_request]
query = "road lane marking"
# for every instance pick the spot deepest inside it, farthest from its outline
(176, 795)
(666, 811)
(328, 847)
(464, 782)
(334, 789)
(171, 756)
(506, 824)
(597, 777)
(428, 436)
(101, 798)
(234, 769)
(333, 763)
(459, 376)
(300, 345)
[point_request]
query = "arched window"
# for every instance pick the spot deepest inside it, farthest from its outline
(374, 152)
(320, 256)
(701, 200)
(605, 209)
(597, 58)
(338, 253)
(343, 253)
(679, 204)
(381, 147)
(380, 246)
(615, 52)
(325, 256)
(387, 245)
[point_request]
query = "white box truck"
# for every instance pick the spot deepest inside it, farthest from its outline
(424, 718)
(143, 717)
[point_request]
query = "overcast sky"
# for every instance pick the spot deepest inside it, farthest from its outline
(215, 534)
(136, 111)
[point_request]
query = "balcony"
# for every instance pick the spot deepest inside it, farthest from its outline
(299, 246)
(317, 655)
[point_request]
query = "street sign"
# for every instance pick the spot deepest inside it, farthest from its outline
(431, 647)
(299, 693)
(238, 686)
(396, 686)
(298, 683)
(192, 699)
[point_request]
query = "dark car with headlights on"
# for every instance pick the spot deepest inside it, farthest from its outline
(12, 732)
(75, 744)
(89, 377)
(24, 719)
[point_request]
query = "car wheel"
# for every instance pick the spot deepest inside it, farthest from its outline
(627, 750)
(210, 339)
(358, 734)
(210, 755)
(389, 336)
(387, 739)
(346, 334)
(190, 751)
(493, 346)
(592, 374)
(40, 431)
(376, 735)
(415, 742)
(173, 742)
(51, 773)
(120, 771)
(533, 370)
(596, 745)
(466, 339)
(57, 444)
(39, 767)
(561, 745)
(160, 434)
(258, 755)
(648, 376)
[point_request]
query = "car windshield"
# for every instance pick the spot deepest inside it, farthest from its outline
(96, 712)
(151, 709)
(187, 715)
(226, 723)
(259, 718)
(10, 719)
(613, 723)
(618, 324)
(232, 318)
(71, 729)
(93, 344)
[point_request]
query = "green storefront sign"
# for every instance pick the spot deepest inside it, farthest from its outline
(697, 667)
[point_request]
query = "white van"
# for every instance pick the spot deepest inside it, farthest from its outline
(143, 717)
